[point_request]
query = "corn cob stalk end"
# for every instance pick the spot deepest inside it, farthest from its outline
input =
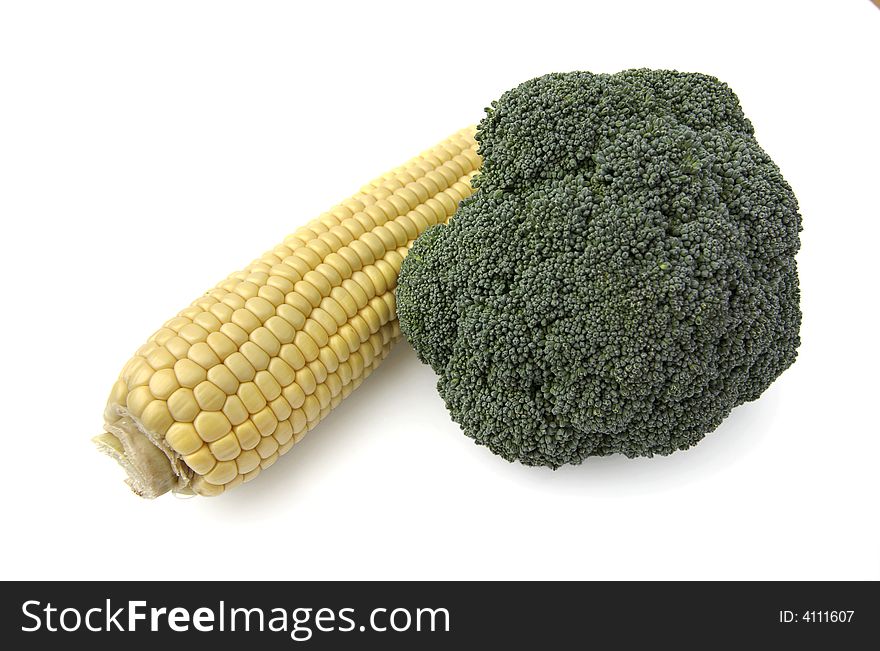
(149, 467)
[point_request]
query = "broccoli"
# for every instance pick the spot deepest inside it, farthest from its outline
(623, 277)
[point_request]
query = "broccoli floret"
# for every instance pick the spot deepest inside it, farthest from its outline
(623, 278)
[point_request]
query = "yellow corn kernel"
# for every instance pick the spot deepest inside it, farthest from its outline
(226, 448)
(208, 396)
(247, 434)
(183, 438)
(212, 425)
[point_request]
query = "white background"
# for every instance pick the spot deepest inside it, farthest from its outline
(149, 149)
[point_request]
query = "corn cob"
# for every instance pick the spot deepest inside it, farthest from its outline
(232, 382)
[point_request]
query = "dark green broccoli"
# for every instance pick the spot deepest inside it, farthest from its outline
(624, 276)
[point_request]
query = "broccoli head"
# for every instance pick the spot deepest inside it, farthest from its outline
(623, 277)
